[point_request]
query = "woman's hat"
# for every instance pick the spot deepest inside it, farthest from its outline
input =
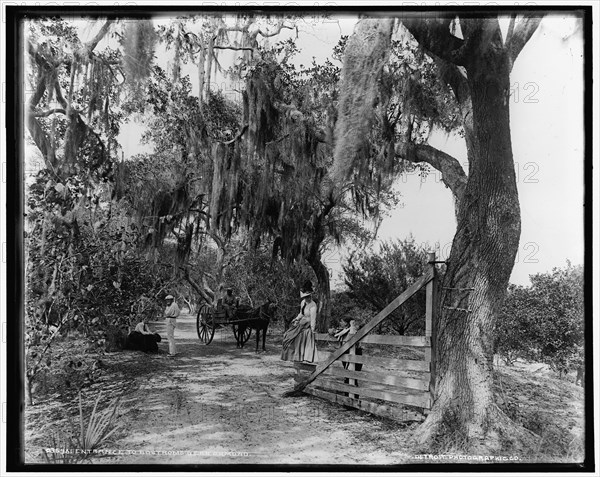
(169, 297)
(306, 290)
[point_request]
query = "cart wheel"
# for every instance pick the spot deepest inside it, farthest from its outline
(246, 335)
(205, 324)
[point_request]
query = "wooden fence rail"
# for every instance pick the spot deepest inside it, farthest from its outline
(418, 341)
(384, 385)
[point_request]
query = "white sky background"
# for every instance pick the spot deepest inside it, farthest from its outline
(547, 131)
(547, 137)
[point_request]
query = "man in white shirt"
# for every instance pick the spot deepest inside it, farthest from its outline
(171, 313)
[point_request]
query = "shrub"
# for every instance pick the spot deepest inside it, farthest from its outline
(90, 435)
(544, 322)
(375, 279)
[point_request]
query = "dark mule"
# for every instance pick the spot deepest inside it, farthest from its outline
(257, 319)
(136, 341)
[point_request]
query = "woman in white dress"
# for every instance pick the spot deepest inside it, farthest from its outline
(299, 340)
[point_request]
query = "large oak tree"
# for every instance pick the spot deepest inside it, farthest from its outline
(474, 60)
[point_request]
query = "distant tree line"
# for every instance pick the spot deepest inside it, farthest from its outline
(543, 322)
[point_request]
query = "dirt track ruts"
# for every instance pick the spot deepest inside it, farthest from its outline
(214, 399)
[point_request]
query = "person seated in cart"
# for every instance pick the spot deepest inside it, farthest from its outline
(230, 303)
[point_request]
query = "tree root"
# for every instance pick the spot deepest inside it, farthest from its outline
(444, 432)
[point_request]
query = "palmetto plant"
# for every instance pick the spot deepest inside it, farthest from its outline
(100, 426)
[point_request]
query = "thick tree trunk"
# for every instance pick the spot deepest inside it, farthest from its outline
(482, 257)
(323, 293)
(477, 67)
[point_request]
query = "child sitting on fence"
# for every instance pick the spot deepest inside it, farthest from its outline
(346, 330)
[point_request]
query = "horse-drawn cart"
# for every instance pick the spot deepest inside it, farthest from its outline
(212, 317)
(243, 319)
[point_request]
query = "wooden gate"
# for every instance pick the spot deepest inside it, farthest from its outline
(400, 387)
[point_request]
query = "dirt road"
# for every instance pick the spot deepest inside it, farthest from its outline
(215, 404)
(218, 404)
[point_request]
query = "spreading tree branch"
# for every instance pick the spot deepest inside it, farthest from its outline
(218, 240)
(266, 34)
(511, 28)
(41, 141)
(199, 211)
(44, 63)
(472, 29)
(276, 32)
(49, 112)
(110, 65)
(90, 45)
(522, 34)
(199, 289)
(59, 95)
(452, 172)
(40, 89)
(454, 77)
(435, 37)
(480, 34)
(233, 47)
(35, 129)
(244, 29)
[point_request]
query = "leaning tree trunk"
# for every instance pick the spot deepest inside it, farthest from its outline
(323, 293)
(489, 223)
(482, 258)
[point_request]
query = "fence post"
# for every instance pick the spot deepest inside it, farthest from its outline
(352, 367)
(431, 292)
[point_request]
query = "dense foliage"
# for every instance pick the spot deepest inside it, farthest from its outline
(257, 276)
(85, 273)
(545, 321)
(375, 279)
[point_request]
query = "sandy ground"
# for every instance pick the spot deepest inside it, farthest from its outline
(215, 404)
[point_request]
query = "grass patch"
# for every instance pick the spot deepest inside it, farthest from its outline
(546, 405)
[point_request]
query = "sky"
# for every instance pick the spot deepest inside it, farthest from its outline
(547, 132)
(547, 137)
